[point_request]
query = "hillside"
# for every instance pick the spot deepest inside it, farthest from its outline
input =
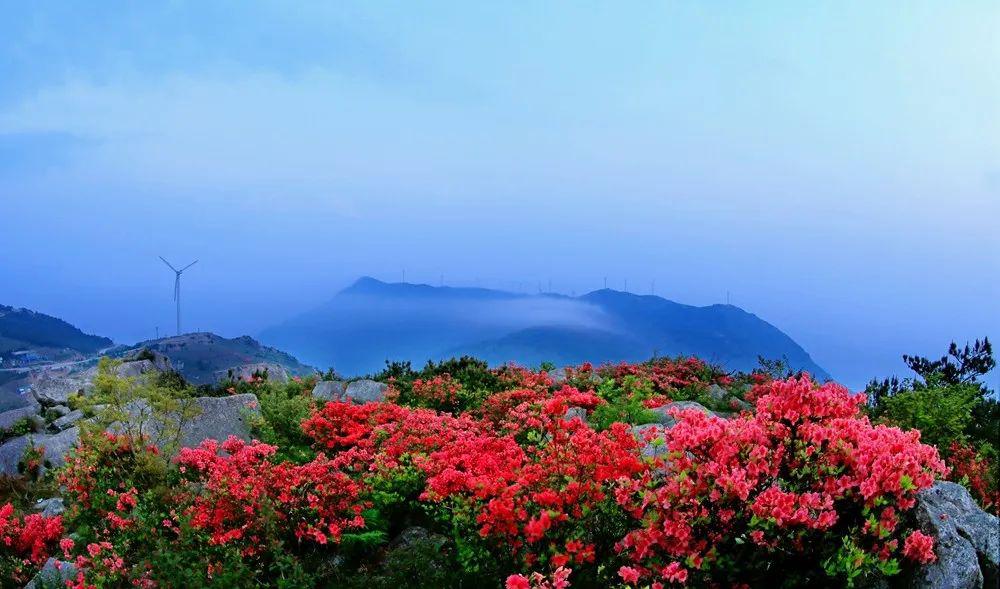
(201, 357)
(371, 321)
(24, 329)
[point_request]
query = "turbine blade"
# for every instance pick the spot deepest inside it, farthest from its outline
(188, 266)
(168, 264)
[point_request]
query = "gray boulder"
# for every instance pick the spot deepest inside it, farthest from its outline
(56, 447)
(717, 393)
(10, 454)
(159, 360)
(664, 418)
(55, 573)
(275, 372)
(50, 507)
(967, 540)
(59, 410)
(56, 390)
(135, 368)
(9, 418)
(365, 391)
(329, 390)
(68, 420)
(651, 437)
(559, 376)
(573, 412)
(214, 417)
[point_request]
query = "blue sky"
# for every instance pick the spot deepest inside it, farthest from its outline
(835, 166)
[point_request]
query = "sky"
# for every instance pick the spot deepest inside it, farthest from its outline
(833, 167)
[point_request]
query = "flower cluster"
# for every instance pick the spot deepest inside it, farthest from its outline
(973, 470)
(238, 495)
(26, 542)
(806, 474)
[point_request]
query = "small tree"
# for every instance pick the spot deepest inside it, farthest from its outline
(140, 407)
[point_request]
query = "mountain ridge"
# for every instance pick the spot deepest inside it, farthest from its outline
(371, 321)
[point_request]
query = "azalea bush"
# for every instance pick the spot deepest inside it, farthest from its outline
(471, 476)
(806, 486)
(26, 542)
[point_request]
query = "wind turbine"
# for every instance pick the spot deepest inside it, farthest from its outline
(177, 288)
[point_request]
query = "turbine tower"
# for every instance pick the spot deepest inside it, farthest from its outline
(177, 288)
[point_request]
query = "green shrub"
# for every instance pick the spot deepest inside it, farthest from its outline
(283, 407)
(943, 414)
(624, 403)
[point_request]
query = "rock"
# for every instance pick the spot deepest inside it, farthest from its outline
(415, 557)
(576, 412)
(664, 418)
(59, 410)
(55, 390)
(412, 535)
(135, 368)
(275, 372)
(717, 393)
(559, 375)
(55, 573)
(159, 360)
(9, 418)
(67, 420)
(329, 390)
(967, 539)
(50, 507)
(651, 438)
(10, 454)
(38, 424)
(56, 447)
(365, 391)
(217, 418)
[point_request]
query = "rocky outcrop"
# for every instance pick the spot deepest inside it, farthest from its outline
(275, 372)
(206, 417)
(664, 418)
(329, 390)
(55, 446)
(10, 418)
(50, 507)
(967, 540)
(365, 391)
(56, 390)
(651, 437)
(55, 573)
(559, 376)
(159, 361)
(67, 421)
(135, 369)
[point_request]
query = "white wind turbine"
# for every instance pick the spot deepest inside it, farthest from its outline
(177, 288)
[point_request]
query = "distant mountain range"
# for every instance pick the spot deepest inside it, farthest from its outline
(372, 321)
(24, 329)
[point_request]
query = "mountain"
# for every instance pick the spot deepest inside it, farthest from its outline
(24, 329)
(203, 357)
(371, 321)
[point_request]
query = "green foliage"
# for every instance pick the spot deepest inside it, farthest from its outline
(624, 403)
(20, 427)
(283, 407)
(474, 376)
(948, 402)
(139, 407)
(943, 414)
